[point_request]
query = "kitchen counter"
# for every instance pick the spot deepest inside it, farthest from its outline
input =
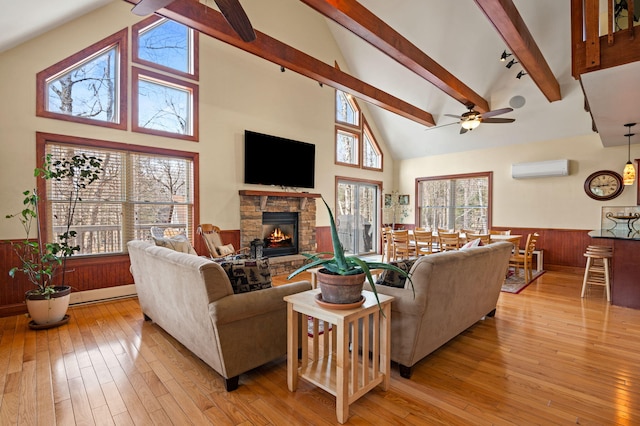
(625, 271)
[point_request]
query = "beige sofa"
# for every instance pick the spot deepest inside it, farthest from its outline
(453, 290)
(191, 298)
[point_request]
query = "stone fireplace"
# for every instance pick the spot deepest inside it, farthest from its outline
(275, 206)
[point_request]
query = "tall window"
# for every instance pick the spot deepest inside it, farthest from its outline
(165, 104)
(139, 188)
(371, 154)
(355, 144)
(455, 202)
(88, 87)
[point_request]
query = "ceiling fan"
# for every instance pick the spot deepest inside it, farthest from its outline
(231, 9)
(472, 118)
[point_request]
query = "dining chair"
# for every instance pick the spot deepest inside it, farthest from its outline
(524, 260)
(385, 234)
(485, 238)
(423, 242)
(400, 249)
(449, 241)
(497, 232)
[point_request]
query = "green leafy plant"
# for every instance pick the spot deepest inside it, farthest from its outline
(341, 264)
(41, 261)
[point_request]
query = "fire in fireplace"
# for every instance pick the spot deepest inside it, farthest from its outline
(280, 233)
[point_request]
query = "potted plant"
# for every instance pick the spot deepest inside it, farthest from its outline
(42, 262)
(342, 277)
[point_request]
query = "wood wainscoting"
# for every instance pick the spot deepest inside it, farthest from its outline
(563, 248)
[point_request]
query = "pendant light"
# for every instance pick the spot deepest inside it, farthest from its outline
(629, 173)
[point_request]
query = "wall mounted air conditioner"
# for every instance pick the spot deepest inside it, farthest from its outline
(540, 169)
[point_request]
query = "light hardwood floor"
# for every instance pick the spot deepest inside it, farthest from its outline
(548, 357)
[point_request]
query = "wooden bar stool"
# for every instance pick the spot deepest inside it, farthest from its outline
(597, 270)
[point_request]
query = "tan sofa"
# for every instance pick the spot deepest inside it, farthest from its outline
(453, 290)
(191, 298)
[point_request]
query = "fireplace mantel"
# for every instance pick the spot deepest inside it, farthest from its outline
(264, 196)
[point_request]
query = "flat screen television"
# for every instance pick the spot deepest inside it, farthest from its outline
(272, 160)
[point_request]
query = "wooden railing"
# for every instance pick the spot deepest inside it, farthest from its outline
(602, 37)
(107, 239)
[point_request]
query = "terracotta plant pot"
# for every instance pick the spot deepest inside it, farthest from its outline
(340, 289)
(48, 311)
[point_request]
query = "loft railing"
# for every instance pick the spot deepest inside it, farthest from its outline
(603, 34)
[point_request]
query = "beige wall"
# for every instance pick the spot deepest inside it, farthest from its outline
(550, 202)
(238, 91)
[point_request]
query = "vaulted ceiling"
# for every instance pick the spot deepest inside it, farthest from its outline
(418, 60)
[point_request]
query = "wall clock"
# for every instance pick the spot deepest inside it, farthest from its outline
(603, 185)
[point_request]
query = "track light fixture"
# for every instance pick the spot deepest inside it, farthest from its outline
(520, 74)
(511, 63)
(629, 173)
(281, 69)
(504, 56)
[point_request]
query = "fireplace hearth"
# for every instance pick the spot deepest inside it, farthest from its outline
(253, 204)
(279, 233)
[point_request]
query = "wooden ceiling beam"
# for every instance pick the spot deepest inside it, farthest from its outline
(212, 23)
(363, 23)
(507, 20)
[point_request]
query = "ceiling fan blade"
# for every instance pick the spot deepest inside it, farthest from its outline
(454, 116)
(442, 125)
(498, 120)
(496, 112)
(147, 7)
(237, 18)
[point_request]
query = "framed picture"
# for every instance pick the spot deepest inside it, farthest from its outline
(403, 200)
(387, 200)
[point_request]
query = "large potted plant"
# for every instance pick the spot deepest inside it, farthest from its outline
(341, 278)
(43, 262)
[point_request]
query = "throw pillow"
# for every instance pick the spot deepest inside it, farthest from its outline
(248, 274)
(473, 243)
(226, 250)
(394, 279)
(178, 243)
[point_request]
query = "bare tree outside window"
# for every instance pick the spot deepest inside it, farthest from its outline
(136, 191)
(455, 203)
(346, 111)
(347, 147)
(87, 90)
(166, 43)
(163, 107)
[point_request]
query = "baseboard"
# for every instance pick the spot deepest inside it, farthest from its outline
(88, 296)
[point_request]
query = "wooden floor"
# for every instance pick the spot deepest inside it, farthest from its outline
(548, 357)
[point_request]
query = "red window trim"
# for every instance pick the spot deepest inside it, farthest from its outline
(119, 38)
(135, 29)
(136, 73)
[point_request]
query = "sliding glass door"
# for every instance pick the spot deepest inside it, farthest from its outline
(357, 207)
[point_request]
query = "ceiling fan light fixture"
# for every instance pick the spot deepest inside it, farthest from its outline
(629, 172)
(470, 124)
